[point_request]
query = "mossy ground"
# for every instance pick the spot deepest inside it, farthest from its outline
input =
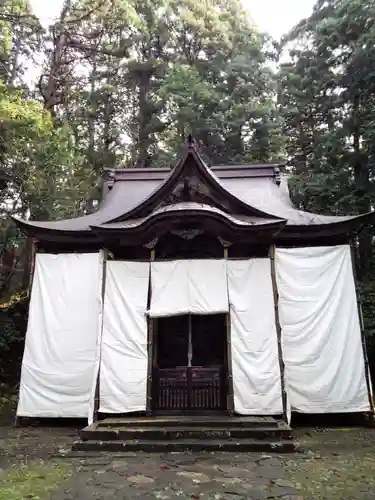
(28, 467)
(339, 464)
(34, 481)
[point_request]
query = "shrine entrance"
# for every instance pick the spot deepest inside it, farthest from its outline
(190, 363)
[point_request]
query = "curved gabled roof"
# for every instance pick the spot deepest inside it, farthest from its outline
(186, 208)
(249, 190)
(117, 202)
(265, 194)
(176, 174)
(168, 219)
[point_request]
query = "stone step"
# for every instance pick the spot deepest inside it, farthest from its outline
(243, 445)
(191, 421)
(94, 432)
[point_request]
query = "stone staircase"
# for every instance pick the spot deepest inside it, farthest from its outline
(182, 433)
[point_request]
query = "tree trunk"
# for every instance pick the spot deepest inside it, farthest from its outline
(91, 118)
(49, 82)
(362, 188)
(144, 118)
(15, 57)
(108, 157)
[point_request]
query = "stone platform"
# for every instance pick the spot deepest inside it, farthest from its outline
(181, 433)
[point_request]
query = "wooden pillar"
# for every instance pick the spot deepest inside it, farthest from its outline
(31, 264)
(97, 386)
(278, 333)
(150, 345)
(362, 325)
(230, 392)
(34, 249)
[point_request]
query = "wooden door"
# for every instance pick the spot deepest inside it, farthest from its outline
(189, 365)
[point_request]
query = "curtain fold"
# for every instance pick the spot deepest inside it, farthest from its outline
(62, 336)
(124, 359)
(255, 363)
(188, 287)
(321, 337)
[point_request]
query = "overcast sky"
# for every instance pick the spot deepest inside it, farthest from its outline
(274, 16)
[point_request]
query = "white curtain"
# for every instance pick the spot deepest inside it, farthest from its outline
(62, 335)
(255, 363)
(188, 286)
(123, 367)
(324, 363)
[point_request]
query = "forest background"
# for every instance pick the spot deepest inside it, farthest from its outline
(120, 83)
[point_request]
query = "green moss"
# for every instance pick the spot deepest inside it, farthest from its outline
(336, 478)
(34, 481)
(340, 466)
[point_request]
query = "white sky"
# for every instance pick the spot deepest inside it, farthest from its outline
(273, 16)
(277, 17)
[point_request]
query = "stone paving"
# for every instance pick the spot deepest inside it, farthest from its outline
(216, 476)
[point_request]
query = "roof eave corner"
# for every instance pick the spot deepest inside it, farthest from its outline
(23, 225)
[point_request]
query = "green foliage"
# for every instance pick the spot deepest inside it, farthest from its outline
(13, 322)
(160, 70)
(40, 159)
(326, 98)
(20, 34)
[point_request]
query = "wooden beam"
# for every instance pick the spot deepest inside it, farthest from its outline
(97, 386)
(150, 345)
(230, 392)
(34, 249)
(278, 332)
(362, 324)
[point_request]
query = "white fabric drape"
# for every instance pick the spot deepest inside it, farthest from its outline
(324, 364)
(255, 363)
(61, 340)
(188, 286)
(123, 367)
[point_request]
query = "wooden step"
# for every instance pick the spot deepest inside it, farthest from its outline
(182, 433)
(95, 432)
(190, 421)
(243, 445)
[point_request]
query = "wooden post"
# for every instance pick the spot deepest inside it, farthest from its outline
(150, 344)
(32, 257)
(34, 249)
(362, 325)
(230, 392)
(278, 332)
(97, 387)
(189, 370)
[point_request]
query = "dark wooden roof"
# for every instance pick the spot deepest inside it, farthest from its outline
(243, 197)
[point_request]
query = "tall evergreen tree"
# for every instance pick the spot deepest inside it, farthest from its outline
(326, 98)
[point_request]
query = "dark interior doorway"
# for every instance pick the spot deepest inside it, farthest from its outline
(189, 363)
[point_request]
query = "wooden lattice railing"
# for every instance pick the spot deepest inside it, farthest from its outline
(188, 388)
